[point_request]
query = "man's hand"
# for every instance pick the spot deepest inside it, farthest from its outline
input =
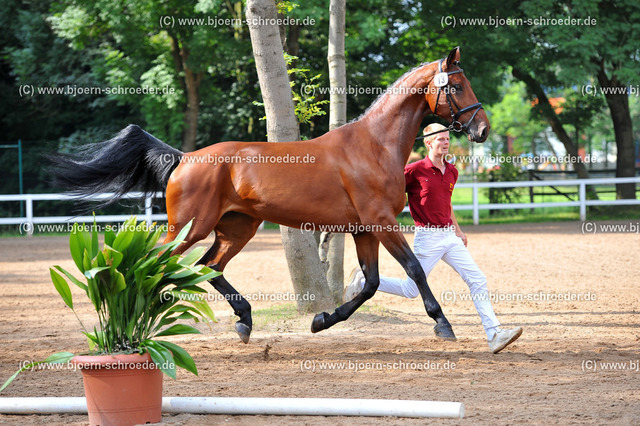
(462, 235)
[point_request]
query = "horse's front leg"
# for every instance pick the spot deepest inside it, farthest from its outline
(397, 245)
(367, 249)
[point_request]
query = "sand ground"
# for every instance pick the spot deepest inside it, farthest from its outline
(576, 363)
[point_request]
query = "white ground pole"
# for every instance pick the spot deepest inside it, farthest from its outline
(254, 406)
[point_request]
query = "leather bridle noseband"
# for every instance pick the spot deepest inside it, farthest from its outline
(455, 125)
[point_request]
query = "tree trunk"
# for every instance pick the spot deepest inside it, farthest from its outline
(556, 125)
(337, 117)
(618, 103)
(189, 84)
(307, 273)
(190, 130)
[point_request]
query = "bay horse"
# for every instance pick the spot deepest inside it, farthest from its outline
(357, 169)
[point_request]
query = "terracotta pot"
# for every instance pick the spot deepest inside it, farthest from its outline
(121, 389)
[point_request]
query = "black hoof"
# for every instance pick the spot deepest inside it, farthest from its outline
(319, 322)
(244, 331)
(445, 332)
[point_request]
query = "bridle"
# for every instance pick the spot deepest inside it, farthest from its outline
(455, 126)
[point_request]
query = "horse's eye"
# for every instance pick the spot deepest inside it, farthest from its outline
(458, 87)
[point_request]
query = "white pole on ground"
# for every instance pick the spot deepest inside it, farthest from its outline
(43, 405)
(255, 406)
(313, 407)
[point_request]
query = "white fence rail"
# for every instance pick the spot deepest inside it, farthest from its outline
(582, 201)
(26, 223)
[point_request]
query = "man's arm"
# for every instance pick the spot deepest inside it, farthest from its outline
(459, 232)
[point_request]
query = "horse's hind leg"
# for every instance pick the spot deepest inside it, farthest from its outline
(367, 249)
(233, 232)
(398, 247)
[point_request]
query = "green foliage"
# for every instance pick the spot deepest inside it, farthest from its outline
(103, 43)
(304, 99)
(512, 116)
(506, 172)
(285, 6)
(305, 104)
(138, 291)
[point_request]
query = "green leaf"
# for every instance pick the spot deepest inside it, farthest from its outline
(198, 279)
(112, 256)
(165, 321)
(162, 357)
(94, 293)
(91, 273)
(53, 359)
(187, 316)
(59, 358)
(86, 261)
(62, 287)
(178, 329)
(142, 270)
(117, 281)
(109, 237)
(184, 231)
(125, 235)
(72, 278)
(76, 246)
(204, 309)
(94, 238)
(193, 256)
(99, 260)
(149, 283)
(92, 340)
(181, 357)
(152, 240)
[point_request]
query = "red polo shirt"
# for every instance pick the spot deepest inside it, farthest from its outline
(429, 192)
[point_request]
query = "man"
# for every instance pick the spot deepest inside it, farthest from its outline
(429, 185)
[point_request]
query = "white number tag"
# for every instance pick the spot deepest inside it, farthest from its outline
(441, 79)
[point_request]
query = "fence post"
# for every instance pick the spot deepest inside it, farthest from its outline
(148, 210)
(476, 202)
(583, 201)
(29, 217)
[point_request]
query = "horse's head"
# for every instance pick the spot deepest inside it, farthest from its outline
(449, 96)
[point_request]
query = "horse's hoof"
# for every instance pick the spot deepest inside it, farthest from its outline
(244, 331)
(319, 322)
(445, 332)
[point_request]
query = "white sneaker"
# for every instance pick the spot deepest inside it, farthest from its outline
(353, 287)
(504, 338)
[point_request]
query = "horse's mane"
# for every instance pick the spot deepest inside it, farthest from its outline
(387, 91)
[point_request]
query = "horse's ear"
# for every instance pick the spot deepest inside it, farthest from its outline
(454, 57)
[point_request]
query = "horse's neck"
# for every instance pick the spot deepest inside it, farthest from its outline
(395, 119)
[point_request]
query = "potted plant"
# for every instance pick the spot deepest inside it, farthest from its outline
(138, 291)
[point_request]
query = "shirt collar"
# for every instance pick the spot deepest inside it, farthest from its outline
(429, 164)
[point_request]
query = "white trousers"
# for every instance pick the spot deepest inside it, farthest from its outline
(429, 247)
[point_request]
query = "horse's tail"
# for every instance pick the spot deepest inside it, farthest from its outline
(132, 160)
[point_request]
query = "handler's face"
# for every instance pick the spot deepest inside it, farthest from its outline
(439, 145)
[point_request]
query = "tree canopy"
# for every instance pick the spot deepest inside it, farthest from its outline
(197, 57)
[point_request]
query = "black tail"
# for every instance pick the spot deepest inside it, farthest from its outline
(133, 160)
